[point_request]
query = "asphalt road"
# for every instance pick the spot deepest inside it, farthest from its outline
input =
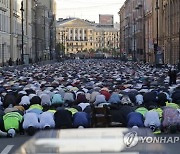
(10, 145)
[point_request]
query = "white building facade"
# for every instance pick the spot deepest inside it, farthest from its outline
(16, 29)
(4, 31)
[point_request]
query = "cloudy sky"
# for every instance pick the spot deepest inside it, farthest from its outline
(88, 9)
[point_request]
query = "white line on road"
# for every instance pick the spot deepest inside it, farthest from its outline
(7, 149)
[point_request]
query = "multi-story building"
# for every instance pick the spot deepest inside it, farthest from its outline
(75, 34)
(157, 22)
(79, 35)
(44, 31)
(107, 39)
(122, 31)
(149, 29)
(36, 13)
(132, 29)
(16, 30)
(170, 31)
(4, 31)
(11, 30)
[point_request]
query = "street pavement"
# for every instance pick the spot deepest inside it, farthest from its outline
(10, 145)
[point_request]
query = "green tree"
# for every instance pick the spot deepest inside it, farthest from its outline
(105, 50)
(91, 50)
(85, 50)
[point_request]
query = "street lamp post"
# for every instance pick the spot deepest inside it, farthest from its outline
(157, 34)
(179, 43)
(22, 12)
(144, 34)
(64, 40)
(52, 36)
(142, 7)
(179, 50)
(3, 54)
(36, 39)
(134, 53)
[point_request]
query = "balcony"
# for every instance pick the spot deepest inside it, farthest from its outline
(137, 7)
(3, 9)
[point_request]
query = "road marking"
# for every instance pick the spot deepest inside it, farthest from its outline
(7, 149)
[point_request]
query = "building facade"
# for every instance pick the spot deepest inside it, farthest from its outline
(132, 30)
(4, 31)
(152, 29)
(11, 30)
(38, 30)
(78, 35)
(16, 30)
(107, 39)
(44, 29)
(170, 34)
(149, 29)
(122, 31)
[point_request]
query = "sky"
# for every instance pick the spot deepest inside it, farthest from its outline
(88, 9)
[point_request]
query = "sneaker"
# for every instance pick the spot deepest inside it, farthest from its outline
(173, 129)
(3, 134)
(47, 127)
(135, 127)
(80, 127)
(31, 131)
(152, 127)
(11, 133)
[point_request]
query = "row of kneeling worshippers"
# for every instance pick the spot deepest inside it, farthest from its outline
(61, 95)
(48, 111)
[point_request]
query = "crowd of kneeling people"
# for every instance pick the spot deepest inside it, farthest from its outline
(57, 106)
